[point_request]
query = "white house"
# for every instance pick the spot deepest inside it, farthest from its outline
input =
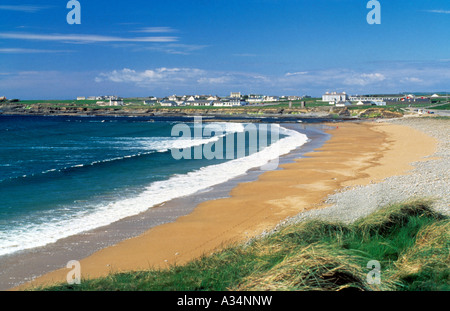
(271, 98)
(233, 102)
(116, 102)
(79, 98)
(168, 103)
(200, 102)
(237, 102)
(294, 97)
(235, 94)
(334, 97)
(219, 103)
(254, 99)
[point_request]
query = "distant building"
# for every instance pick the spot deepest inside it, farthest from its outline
(255, 99)
(219, 103)
(389, 98)
(168, 103)
(294, 97)
(81, 98)
(232, 102)
(179, 100)
(200, 102)
(334, 97)
(235, 94)
(116, 102)
(271, 98)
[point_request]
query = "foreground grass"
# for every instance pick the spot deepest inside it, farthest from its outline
(410, 241)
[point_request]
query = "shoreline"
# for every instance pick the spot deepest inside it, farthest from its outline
(25, 265)
(220, 222)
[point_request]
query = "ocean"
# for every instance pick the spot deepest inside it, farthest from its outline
(60, 176)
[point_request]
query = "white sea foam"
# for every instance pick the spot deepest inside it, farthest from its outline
(36, 235)
(163, 144)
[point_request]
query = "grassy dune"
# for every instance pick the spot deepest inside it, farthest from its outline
(410, 241)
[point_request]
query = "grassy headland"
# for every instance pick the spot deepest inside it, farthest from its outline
(314, 107)
(410, 241)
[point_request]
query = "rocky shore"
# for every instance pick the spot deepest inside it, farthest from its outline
(245, 112)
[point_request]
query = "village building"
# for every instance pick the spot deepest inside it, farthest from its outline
(255, 99)
(116, 102)
(334, 97)
(200, 102)
(168, 103)
(271, 98)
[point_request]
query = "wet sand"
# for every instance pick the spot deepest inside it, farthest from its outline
(356, 154)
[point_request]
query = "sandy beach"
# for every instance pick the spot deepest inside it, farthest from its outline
(358, 153)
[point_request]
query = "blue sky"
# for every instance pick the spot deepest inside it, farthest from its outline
(277, 47)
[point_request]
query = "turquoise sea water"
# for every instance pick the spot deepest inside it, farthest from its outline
(60, 176)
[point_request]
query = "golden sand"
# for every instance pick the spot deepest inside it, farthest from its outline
(356, 154)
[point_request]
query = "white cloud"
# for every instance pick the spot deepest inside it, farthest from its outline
(411, 80)
(174, 48)
(152, 76)
(155, 30)
(364, 79)
(214, 80)
(23, 8)
(438, 11)
(172, 77)
(310, 80)
(288, 74)
(393, 78)
(28, 51)
(82, 38)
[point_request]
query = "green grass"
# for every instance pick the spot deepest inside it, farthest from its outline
(410, 241)
(442, 107)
